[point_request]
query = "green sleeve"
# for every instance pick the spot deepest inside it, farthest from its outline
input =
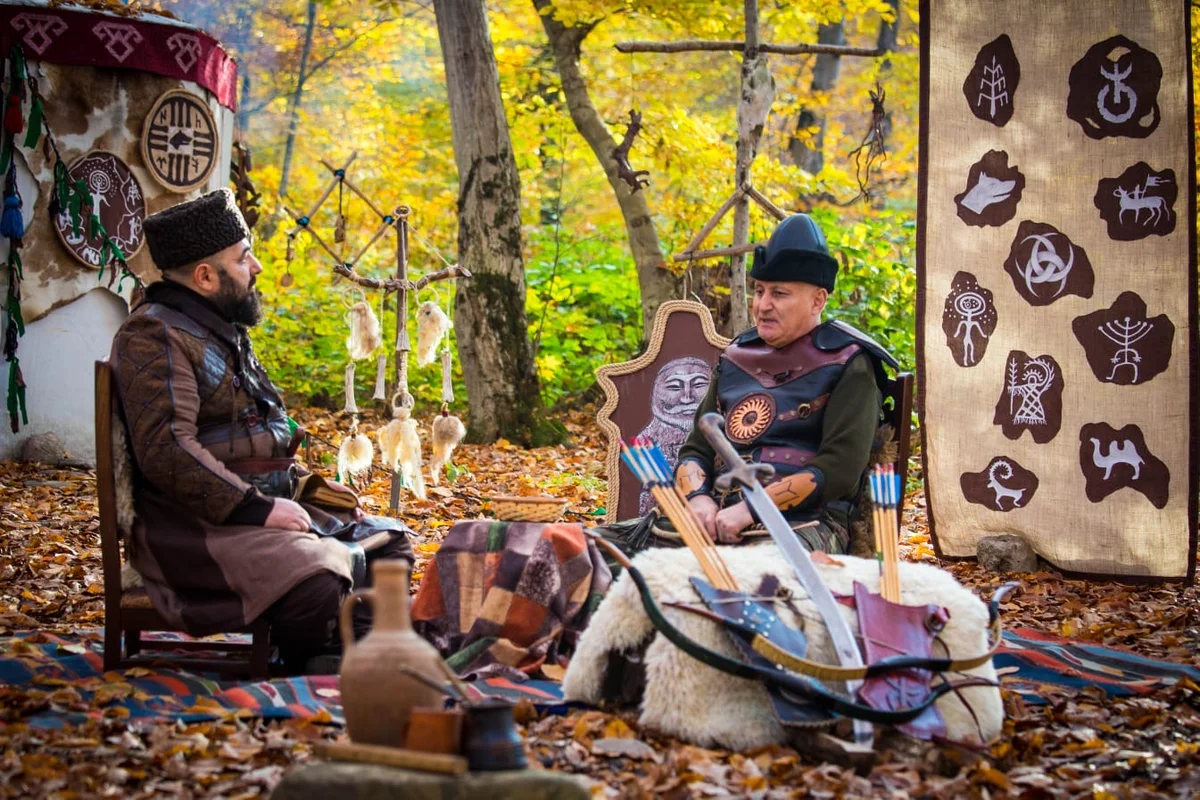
(696, 447)
(848, 429)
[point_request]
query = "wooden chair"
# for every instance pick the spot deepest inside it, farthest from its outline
(897, 412)
(128, 613)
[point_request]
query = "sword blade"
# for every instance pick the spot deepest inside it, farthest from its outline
(806, 572)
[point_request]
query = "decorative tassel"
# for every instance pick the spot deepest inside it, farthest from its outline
(400, 447)
(16, 395)
(432, 324)
(351, 407)
(12, 224)
(380, 377)
(13, 122)
(448, 431)
(447, 378)
(355, 453)
(36, 114)
(365, 335)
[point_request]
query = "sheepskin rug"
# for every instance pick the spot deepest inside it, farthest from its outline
(699, 704)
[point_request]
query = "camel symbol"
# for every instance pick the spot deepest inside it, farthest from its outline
(1124, 453)
(1001, 490)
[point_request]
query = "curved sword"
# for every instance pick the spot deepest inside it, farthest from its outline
(747, 477)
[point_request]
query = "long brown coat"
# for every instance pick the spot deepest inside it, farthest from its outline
(195, 400)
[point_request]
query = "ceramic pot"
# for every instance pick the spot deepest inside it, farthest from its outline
(377, 697)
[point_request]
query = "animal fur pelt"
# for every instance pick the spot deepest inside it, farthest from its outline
(400, 444)
(432, 325)
(355, 453)
(697, 703)
(365, 336)
(448, 431)
(123, 480)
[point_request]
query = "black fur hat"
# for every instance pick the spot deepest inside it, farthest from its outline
(796, 251)
(186, 233)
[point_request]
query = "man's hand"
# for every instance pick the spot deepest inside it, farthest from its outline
(731, 522)
(289, 516)
(705, 509)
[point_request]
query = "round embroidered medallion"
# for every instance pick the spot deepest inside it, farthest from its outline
(179, 141)
(114, 192)
(750, 417)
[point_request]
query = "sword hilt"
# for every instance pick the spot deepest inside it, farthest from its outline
(713, 427)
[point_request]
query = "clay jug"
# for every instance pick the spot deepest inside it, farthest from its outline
(377, 697)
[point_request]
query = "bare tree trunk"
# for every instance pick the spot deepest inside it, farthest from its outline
(809, 154)
(754, 104)
(657, 284)
(294, 103)
(503, 399)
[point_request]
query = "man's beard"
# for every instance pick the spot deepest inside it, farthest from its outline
(240, 306)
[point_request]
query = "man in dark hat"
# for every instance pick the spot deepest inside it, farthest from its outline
(799, 394)
(228, 527)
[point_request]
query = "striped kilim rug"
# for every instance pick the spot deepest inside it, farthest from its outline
(1057, 340)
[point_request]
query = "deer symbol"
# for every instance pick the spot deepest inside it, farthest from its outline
(1137, 199)
(1001, 490)
(1124, 453)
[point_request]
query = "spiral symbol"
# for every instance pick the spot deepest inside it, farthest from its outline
(750, 418)
(99, 182)
(969, 304)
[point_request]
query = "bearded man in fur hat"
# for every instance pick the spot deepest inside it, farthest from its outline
(800, 394)
(229, 527)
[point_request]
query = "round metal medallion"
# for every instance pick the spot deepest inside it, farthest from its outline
(749, 418)
(179, 141)
(111, 188)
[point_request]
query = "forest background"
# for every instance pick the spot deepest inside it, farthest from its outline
(320, 80)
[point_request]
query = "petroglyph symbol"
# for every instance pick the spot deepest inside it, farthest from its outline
(991, 84)
(1114, 90)
(969, 305)
(1139, 203)
(40, 30)
(1136, 199)
(1119, 92)
(1032, 382)
(1123, 344)
(993, 191)
(1045, 265)
(120, 39)
(1112, 459)
(1004, 485)
(1002, 492)
(1125, 333)
(968, 319)
(1124, 453)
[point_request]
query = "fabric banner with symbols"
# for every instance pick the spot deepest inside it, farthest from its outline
(1057, 291)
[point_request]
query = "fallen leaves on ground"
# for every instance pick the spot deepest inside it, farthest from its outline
(1081, 744)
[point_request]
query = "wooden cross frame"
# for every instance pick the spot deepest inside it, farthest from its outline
(401, 284)
(757, 95)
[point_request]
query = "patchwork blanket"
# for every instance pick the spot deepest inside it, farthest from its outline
(507, 598)
(1057, 287)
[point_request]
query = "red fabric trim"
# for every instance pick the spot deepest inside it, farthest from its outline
(84, 38)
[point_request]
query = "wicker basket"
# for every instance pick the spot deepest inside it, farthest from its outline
(527, 509)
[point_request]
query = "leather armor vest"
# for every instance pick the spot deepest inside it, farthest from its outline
(773, 400)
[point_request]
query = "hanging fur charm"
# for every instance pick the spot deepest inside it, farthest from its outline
(365, 335)
(351, 406)
(380, 377)
(432, 325)
(400, 444)
(355, 454)
(447, 378)
(448, 431)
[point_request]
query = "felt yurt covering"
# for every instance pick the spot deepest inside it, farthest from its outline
(144, 105)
